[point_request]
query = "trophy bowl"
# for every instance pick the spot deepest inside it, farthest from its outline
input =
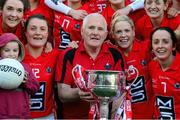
(106, 85)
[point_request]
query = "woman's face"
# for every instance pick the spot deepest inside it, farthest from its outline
(12, 13)
(162, 45)
(37, 32)
(155, 8)
(10, 50)
(123, 34)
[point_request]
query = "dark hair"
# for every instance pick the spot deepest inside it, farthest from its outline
(165, 1)
(25, 3)
(38, 16)
(170, 31)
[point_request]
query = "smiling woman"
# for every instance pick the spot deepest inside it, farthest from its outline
(42, 64)
(156, 17)
(164, 71)
(12, 15)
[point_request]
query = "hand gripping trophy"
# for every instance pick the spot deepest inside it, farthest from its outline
(105, 85)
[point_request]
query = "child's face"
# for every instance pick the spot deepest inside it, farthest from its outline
(10, 50)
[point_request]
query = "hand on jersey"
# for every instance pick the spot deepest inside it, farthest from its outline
(78, 14)
(73, 44)
(123, 11)
(172, 12)
(48, 47)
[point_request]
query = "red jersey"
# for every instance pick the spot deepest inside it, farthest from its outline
(80, 109)
(166, 86)
(43, 67)
(41, 9)
(144, 26)
(98, 5)
(108, 13)
(19, 31)
(67, 29)
(141, 91)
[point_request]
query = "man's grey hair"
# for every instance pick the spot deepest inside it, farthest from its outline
(102, 19)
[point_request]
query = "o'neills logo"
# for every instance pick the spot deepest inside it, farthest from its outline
(6, 68)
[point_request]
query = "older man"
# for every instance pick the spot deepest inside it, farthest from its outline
(93, 54)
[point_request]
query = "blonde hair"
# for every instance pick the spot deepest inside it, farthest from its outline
(117, 18)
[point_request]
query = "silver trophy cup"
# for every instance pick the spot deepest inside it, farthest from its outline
(106, 85)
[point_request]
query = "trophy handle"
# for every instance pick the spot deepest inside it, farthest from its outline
(78, 77)
(131, 70)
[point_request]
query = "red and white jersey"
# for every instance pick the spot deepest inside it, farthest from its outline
(141, 90)
(70, 58)
(98, 5)
(144, 26)
(166, 86)
(67, 29)
(108, 13)
(43, 67)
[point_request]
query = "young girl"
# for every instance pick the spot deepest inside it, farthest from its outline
(165, 73)
(14, 104)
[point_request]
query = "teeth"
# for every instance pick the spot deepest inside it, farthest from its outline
(161, 51)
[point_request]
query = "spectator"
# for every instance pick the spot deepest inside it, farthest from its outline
(14, 103)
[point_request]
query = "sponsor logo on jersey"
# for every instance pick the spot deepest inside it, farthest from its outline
(138, 91)
(143, 62)
(65, 39)
(166, 107)
(177, 85)
(107, 66)
(37, 101)
(77, 26)
(48, 70)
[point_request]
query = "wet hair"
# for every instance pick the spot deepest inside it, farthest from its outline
(25, 3)
(38, 16)
(85, 20)
(118, 18)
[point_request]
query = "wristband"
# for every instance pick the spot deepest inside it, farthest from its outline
(138, 4)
